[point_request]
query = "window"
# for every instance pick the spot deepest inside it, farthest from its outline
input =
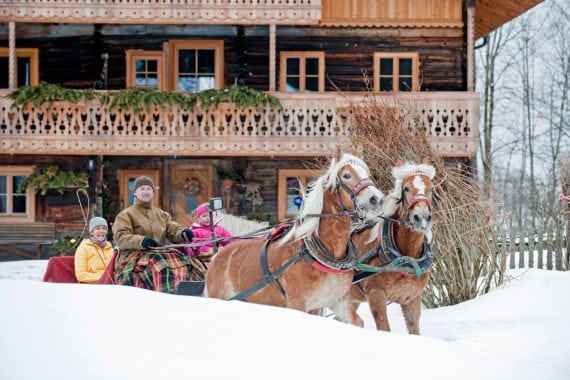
(289, 185)
(302, 71)
(16, 207)
(396, 72)
(27, 67)
(146, 69)
(127, 184)
(196, 65)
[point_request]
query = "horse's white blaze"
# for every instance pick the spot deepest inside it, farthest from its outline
(361, 171)
(419, 185)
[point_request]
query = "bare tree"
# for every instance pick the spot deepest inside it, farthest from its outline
(524, 81)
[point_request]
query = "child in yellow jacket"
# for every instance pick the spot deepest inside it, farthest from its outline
(94, 253)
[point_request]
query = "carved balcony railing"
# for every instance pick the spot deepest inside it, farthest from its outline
(308, 125)
(231, 12)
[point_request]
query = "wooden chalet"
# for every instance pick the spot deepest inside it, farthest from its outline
(313, 55)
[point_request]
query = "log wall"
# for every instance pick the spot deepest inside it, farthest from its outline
(75, 60)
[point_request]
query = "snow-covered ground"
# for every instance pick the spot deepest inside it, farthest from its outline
(72, 331)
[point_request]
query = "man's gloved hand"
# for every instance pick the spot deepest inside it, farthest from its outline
(187, 235)
(149, 243)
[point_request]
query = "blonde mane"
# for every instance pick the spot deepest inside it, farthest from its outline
(313, 196)
(400, 173)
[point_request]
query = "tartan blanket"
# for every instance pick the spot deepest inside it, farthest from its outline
(158, 269)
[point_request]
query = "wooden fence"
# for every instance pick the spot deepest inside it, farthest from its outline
(544, 250)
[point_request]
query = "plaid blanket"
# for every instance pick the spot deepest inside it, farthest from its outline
(157, 269)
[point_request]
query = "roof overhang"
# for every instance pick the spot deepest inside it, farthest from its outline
(491, 14)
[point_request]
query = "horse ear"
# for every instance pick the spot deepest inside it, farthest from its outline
(426, 160)
(399, 162)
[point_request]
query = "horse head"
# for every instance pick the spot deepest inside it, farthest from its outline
(410, 200)
(350, 178)
(346, 187)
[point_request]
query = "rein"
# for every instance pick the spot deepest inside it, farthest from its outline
(312, 249)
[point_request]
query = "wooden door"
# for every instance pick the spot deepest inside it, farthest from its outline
(189, 186)
(127, 183)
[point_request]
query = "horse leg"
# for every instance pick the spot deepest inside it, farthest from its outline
(345, 311)
(411, 312)
(377, 303)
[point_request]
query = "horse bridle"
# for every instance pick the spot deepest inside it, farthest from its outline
(361, 185)
(314, 248)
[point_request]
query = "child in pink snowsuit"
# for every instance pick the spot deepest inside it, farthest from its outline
(203, 233)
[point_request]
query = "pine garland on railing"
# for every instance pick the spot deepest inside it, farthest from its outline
(142, 99)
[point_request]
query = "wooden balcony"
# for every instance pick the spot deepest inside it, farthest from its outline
(311, 124)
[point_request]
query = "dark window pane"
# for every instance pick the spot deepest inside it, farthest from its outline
(405, 84)
(139, 65)
(152, 65)
(386, 66)
(386, 84)
(187, 61)
(17, 180)
(312, 66)
(4, 72)
(292, 84)
(131, 182)
(293, 66)
(3, 186)
(23, 71)
(312, 84)
(206, 61)
(405, 66)
(3, 204)
(292, 193)
(19, 204)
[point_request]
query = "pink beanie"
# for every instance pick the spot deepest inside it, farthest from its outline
(201, 210)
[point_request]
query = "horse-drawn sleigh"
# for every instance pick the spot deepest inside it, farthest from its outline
(336, 253)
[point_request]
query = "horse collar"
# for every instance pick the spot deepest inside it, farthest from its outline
(318, 256)
(394, 258)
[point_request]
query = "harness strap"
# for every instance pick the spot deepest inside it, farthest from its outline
(243, 295)
(267, 275)
(393, 260)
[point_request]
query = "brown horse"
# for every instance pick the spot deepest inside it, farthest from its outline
(308, 267)
(399, 259)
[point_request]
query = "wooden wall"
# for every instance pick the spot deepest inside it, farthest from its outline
(75, 61)
(66, 210)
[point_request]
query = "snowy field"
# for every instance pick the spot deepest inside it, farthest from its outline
(73, 331)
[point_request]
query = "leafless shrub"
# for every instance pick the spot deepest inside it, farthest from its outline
(466, 261)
